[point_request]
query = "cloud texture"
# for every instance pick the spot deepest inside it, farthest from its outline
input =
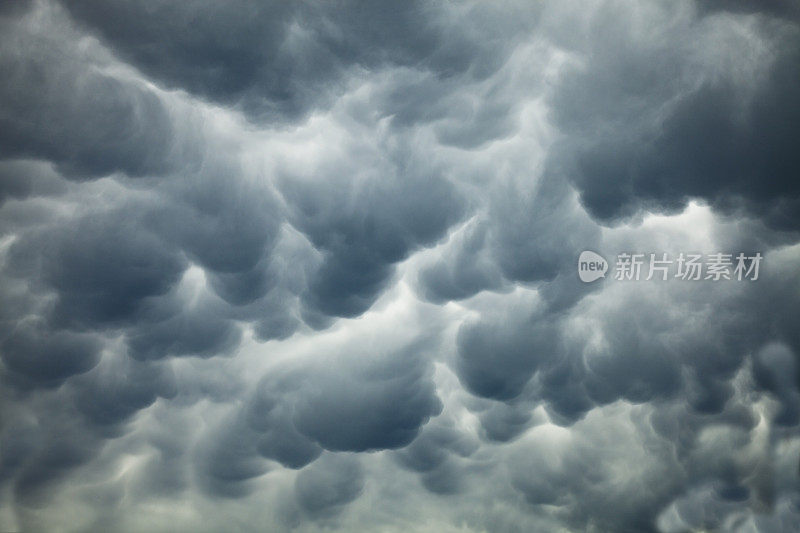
(312, 266)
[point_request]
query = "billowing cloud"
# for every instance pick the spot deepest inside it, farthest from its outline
(705, 110)
(305, 267)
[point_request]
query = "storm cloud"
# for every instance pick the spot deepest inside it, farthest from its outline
(312, 266)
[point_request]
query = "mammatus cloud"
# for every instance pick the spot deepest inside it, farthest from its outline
(302, 267)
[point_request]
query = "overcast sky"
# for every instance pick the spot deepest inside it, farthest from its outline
(313, 266)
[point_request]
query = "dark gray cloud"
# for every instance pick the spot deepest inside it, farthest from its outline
(497, 358)
(532, 233)
(278, 60)
(118, 388)
(25, 179)
(102, 267)
(38, 354)
(366, 223)
(352, 402)
(435, 455)
(61, 107)
(782, 8)
(371, 401)
(312, 266)
(329, 484)
(652, 124)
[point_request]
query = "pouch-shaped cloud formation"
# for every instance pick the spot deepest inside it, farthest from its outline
(319, 266)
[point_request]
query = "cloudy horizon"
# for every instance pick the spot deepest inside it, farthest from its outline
(314, 266)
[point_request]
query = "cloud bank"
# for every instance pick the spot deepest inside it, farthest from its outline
(312, 266)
